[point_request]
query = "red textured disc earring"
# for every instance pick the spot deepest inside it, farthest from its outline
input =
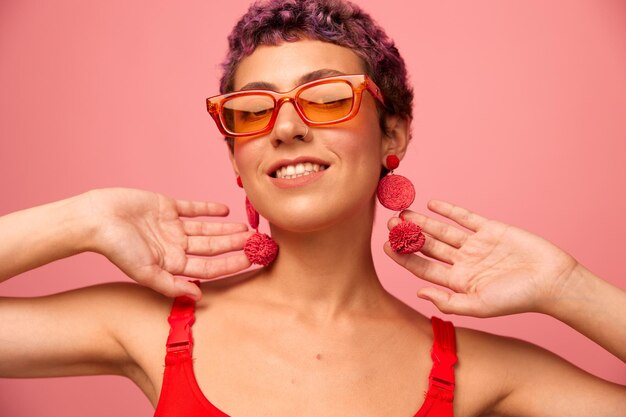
(397, 193)
(260, 248)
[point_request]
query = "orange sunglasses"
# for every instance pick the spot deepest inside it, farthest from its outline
(321, 102)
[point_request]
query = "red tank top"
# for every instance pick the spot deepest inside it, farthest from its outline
(181, 396)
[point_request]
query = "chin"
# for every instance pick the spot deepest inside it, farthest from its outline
(319, 215)
(304, 224)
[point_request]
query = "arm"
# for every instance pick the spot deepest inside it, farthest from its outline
(39, 235)
(77, 332)
(84, 331)
(63, 334)
(594, 308)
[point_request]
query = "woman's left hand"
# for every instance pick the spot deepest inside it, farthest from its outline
(493, 269)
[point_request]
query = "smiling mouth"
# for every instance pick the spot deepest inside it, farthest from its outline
(298, 170)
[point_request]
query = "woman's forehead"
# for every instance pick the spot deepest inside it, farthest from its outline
(286, 64)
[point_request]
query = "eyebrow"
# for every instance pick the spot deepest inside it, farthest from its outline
(310, 76)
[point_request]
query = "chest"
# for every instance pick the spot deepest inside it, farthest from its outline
(266, 368)
(317, 374)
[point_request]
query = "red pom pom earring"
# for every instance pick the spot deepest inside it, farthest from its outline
(397, 193)
(260, 248)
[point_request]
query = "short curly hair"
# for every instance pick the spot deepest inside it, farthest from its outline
(272, 22)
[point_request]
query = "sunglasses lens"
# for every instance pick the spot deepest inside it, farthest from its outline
(248, 113)
(327, 102)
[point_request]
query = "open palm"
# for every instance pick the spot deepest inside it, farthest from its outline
(144, 234)
(493, 268)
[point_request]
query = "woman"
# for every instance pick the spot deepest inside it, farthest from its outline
(315, 326)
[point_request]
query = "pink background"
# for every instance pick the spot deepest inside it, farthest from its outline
(519, 115)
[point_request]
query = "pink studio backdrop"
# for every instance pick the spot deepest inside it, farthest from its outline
(519, 115)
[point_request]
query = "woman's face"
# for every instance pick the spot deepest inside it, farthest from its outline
(351, 152)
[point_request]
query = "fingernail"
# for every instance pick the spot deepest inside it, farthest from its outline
(193, 296)
(424, 296)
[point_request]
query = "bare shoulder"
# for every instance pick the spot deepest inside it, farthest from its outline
(134, 312)
(119, 305)
(111, 297)
(510, 376)
(484, 369)
(124, 298)
(137, 317)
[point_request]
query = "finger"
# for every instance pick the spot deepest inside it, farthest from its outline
(438, 250)
(166, 284)
(215, 245)
(450, 303)
(462, 216)
(420, 267)
(211, 268)
(440, 230)
(190, 208)
(197, 228)
(433, 248)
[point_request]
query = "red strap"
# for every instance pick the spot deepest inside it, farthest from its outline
(443, 354)
(181, 319)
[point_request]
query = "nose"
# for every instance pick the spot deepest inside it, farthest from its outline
(289, 126)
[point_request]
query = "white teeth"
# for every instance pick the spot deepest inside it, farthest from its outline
(298, 170)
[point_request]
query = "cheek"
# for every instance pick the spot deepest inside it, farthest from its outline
(364, 144)
(359, 154)
(246, 156)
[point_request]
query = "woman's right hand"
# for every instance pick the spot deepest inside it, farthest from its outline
(143, 234)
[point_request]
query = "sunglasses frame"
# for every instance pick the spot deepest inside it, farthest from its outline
(358, 82)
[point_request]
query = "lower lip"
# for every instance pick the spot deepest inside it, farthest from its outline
(298, 181)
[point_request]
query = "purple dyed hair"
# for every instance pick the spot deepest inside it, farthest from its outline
(272, 22)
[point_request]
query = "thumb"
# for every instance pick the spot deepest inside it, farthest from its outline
(171, 286)
(448, 303)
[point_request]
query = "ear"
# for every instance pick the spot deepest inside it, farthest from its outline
(396, 139)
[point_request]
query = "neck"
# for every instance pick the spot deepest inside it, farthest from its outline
(327, 273)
